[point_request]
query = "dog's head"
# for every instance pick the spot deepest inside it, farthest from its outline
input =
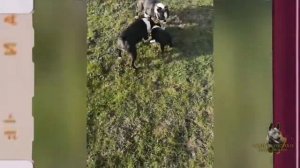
(274, 134)
(155, 27)
(161, 12)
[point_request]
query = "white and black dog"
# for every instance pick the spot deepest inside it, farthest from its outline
(137, 31)
(154, 9)
(161, 36)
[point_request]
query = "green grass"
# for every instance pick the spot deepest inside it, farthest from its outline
(162, 114)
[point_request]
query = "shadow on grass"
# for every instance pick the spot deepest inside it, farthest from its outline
(192, 32)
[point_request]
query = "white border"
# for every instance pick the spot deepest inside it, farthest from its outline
(16, 6)
(297, 84)
(15, 164)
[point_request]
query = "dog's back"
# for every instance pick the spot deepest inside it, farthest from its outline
(162, 36)
(135, 32)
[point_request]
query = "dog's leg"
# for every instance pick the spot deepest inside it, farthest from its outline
(133, 54)
(147, 38)
(162, 47)
(171, 43)
(139, 8)
(119, 53)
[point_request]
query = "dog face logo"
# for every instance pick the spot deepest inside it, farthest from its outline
(275, 139)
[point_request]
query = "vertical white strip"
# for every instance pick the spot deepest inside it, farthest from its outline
(297, 83)
(15, 164)
(16, 87)
(16, 6)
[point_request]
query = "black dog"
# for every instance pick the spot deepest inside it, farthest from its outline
(135, 33)
(162, 37)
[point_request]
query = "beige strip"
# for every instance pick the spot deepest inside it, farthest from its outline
(16, 87)
(16, 6)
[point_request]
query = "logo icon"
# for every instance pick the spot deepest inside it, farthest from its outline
(275, 140)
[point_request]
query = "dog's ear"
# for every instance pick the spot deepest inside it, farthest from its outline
(270, 127)
(278, 126)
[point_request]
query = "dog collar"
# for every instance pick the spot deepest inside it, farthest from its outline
(147, 22)
(154, 27)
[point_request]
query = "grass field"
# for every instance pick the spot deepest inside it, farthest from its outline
(162, 114)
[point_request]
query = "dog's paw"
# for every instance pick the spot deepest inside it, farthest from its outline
(152, 41)
(136, 17)
(146, 41)
(134, 67)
